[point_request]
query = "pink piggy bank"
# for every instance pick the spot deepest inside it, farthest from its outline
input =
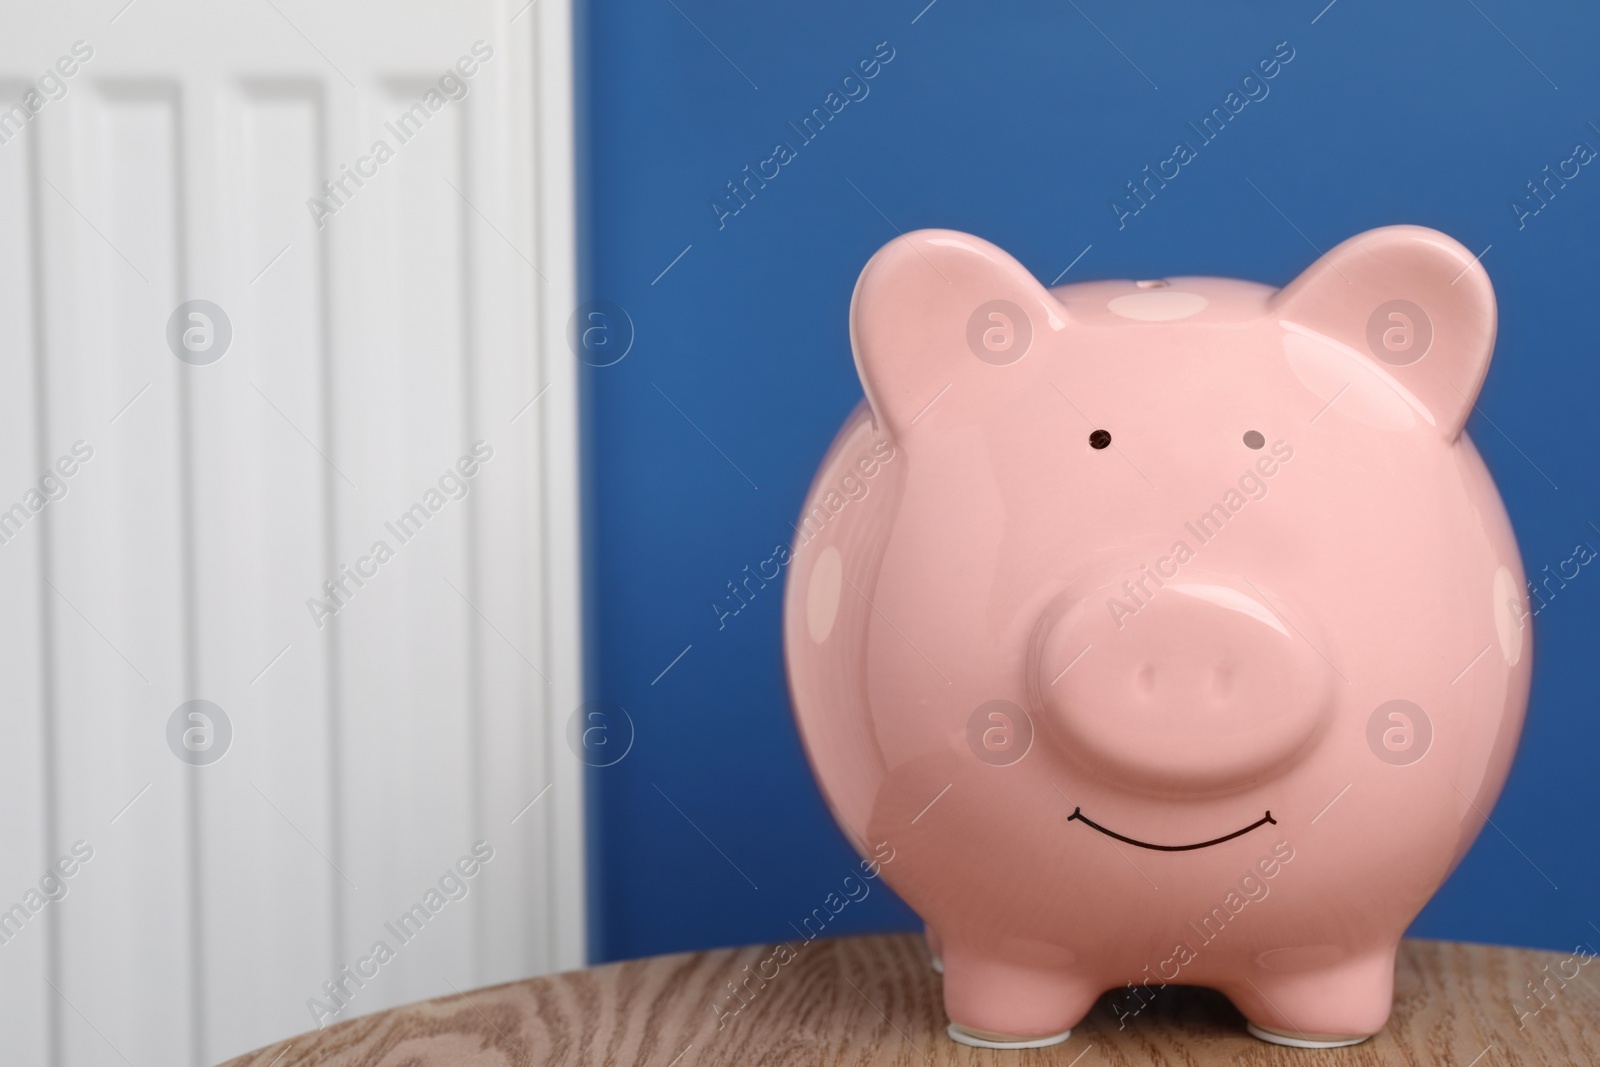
(1165, 631)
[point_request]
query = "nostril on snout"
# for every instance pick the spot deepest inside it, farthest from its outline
(1145, 679)
(1222, 680)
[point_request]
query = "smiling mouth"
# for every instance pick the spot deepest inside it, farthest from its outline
(1077, 813)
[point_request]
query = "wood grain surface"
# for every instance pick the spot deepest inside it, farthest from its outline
(874, 1000)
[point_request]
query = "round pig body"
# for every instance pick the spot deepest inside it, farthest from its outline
(1162, 632)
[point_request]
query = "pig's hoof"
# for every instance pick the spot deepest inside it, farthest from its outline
(937, 964)
(1278, 1037)
(988, 1039)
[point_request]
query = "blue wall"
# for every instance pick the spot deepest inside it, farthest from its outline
(1021, 122)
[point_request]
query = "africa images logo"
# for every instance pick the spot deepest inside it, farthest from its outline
(452, 87)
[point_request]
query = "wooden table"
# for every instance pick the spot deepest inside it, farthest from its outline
(874, 1000)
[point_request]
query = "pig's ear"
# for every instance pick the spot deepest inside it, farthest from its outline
(1416, 303)
(938, 310)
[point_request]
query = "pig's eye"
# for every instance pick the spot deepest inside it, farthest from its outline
(1100, 439)
(1253, 439)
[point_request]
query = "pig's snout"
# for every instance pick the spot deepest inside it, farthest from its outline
(1200, 685)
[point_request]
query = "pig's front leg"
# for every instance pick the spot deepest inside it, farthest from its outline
(996, 1002)
(1319, 1006)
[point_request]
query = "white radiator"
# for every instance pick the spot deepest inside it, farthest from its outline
(192, 502)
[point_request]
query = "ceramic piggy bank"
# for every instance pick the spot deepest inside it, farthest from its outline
(1168, 632)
